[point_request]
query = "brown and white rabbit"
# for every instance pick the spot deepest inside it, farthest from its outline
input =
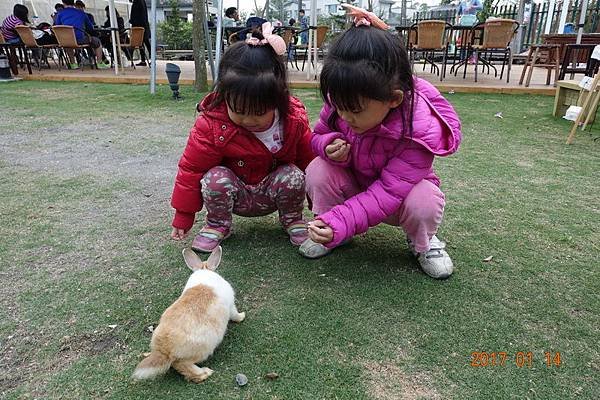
(190, 330)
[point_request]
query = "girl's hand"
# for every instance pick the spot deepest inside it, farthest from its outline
(338, 150)
(320, 232)
(178, 234)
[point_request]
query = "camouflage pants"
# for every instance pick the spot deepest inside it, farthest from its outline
(225, 194)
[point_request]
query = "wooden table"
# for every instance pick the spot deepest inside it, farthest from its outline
(570, 38)
(571, 53)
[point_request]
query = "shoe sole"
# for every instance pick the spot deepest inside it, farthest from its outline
(198, 249)
(303, 253)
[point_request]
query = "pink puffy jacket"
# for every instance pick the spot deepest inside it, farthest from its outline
(386, 161)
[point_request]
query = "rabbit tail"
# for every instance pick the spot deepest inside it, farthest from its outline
(152, 366)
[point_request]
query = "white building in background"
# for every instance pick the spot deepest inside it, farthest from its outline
(327, 8)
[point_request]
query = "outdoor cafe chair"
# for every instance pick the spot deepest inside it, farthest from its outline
(321, 36)
(136, 41)
(431, 36)
(26, 35)
(289, 37)
(542, 56)
(65, 35)
(12, 52)
(497, 35)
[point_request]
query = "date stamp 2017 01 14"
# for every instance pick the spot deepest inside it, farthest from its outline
(520, 359)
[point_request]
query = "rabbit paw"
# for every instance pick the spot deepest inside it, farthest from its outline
(201, 375)
(239, 317)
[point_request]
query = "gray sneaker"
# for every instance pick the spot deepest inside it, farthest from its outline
(310, 249)
(436, 262)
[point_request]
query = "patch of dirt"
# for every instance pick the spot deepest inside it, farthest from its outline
(525, 164)
(108, 152)
(102, 148)
(387, 381)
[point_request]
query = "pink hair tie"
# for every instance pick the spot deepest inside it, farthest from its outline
(275, 41)
(364, 17)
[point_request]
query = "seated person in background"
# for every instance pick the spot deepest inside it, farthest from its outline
(106, 37)
(20, 16)
(232, 18)
(81, 23)
(81, 6)
(43, 35)
(253, 24)
(58, 7)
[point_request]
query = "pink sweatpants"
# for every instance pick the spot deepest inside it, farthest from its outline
(419, 215)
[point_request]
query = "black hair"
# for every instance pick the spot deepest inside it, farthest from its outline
(21, 12)
(79, 3)
(68, 2)
(59, 6)
(107, 8)
(252, 79)
(367, 62)
(301, 11)
(292, 22)
(230, 11)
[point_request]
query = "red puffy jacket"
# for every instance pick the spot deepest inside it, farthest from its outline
(215, 140)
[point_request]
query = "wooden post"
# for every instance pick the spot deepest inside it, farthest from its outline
(591, 100)
(199, 46)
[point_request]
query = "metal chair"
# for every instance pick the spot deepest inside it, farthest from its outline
(321, 35)
(12, 51)
(136, 41)
(289, 37)
(26, 35)
(431, 36)
(497, 35)
(65, 35)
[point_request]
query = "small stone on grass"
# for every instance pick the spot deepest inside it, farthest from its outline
(241, 379)
(272, 376)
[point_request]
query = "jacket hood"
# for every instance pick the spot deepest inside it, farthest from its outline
(435, 124)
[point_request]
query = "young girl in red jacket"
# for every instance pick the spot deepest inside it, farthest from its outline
(247, 150)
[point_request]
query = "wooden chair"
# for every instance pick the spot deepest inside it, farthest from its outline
(431, 36)
(321, 35)
(543, 56)
(65, 35)
(136, 41)
(26, 35)
(497, 35)
(577, 60)
(589, 107)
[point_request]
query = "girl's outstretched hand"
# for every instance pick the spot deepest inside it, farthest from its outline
(178, 234)
(338, 150)
(320, 232)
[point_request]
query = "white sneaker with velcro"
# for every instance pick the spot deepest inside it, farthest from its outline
(435, 262)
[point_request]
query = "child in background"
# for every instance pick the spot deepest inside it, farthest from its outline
(248, 148)
(377, 136)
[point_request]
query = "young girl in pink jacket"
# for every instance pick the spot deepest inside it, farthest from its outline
(376, 139)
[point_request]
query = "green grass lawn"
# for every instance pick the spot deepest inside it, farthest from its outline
(86, 266)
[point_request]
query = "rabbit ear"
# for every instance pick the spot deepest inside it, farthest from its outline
(215, 259)
(192, 260)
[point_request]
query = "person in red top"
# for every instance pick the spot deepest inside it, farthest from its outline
(248, 149)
